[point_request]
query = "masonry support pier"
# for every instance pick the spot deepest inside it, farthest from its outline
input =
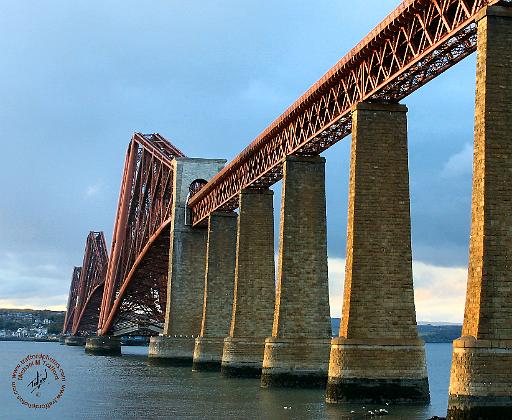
(481, 375)
(254, 290)
(105, 345)
(297, 354)
(218, 291)
(378, 356)
(187, 256)
(74, 340)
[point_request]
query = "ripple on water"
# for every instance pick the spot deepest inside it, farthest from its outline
(103, 387)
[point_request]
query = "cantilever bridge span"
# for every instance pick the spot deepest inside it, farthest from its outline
(70, 308)
(136, 282)
(86, 289)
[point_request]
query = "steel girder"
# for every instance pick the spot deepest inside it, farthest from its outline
(90, 290)
(136, 286)
(417, 42)
(73, 293)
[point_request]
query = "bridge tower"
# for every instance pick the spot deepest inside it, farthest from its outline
(187, 256)
(378, 355)
(481, 375)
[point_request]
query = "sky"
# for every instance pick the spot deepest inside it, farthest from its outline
(78, 78)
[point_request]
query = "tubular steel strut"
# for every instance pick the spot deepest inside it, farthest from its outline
(136, 285)
(90, 285)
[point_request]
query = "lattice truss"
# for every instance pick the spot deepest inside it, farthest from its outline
(136, 287)
(414, 44)
(73, 293)
(91, 285)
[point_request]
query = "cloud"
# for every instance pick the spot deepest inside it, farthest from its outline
(33, 281)
(439, 291)
(54, 304)
(208, 91)
(459, 164)
(336, 284)
(92, 190)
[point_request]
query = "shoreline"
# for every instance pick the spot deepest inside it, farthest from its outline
(37, 340)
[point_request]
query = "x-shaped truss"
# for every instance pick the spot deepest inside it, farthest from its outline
(136, 286)
(414, 44)
(90, 290)
(73, 293)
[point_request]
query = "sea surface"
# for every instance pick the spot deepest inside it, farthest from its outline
(126, 387)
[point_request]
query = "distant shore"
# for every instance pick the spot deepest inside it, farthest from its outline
(430, 333)
(37, 340)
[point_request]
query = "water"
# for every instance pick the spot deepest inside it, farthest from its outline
(128, 388)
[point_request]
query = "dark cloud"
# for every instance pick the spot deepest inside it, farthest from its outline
(77, 78)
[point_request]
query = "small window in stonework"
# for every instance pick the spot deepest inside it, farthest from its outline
(195, 186)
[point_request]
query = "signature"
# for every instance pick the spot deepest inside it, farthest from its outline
(38, 381)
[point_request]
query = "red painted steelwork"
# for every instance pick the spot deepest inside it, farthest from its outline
(73, 293)
(90, 290)
(414, 44)
(136, 286)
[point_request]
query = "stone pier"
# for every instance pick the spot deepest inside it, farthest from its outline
(187, 256)
(105, 345)
(218, 291)
(378, 356)
(74, 340)
(254, 291)
(481, 375)
(297, 354)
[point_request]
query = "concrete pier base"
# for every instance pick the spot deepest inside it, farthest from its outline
(171, 351)
(254, 289)
(186, 280)
(479, 408)
(378, 356)
(295, 363)
(481, 374)
(103, 346)
(242, 357)
(297, 353)
(208, 354)
(377, 371)
(74, 340)
(480, 379)
(62, 339)
(218, 291)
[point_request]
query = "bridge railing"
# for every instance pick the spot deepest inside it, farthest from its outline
(418, 41)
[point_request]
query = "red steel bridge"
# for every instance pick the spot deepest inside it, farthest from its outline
(136, 283)
(418, 41)
(73, 293)
(87, 287)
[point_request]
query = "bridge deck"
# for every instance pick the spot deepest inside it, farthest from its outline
(418, 41)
